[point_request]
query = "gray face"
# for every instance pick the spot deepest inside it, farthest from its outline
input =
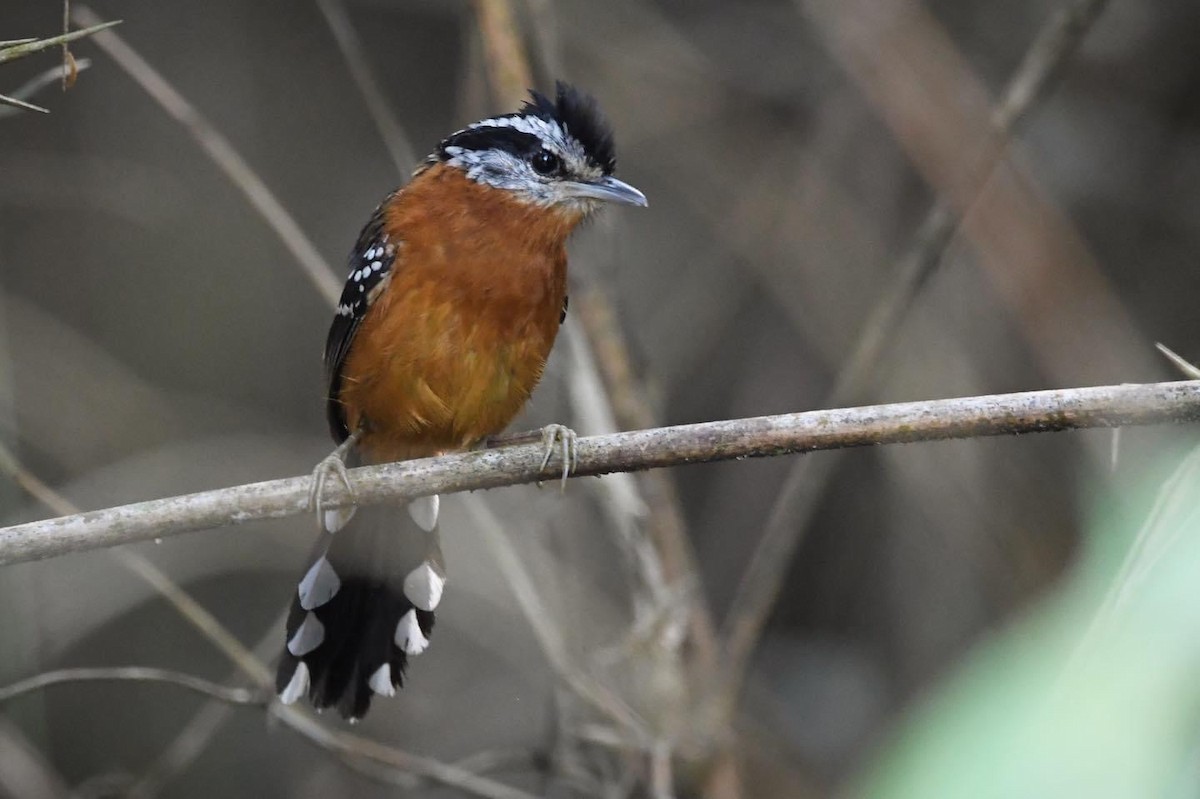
(537, 161)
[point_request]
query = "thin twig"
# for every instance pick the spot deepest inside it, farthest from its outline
(351, 748)
(39, 82)
(194, 736)
(390, 129)
(1186, 368)
(24, 770)
(13, 102)
(511, 76)
(760, 584)
(664, 519)
(934, 420)
(357, 748)
(1173, 515)
(221, 152)
(539, 616)
(325, 280)
(66, 47)
(233, 696)
(20, 48)
(191, 610)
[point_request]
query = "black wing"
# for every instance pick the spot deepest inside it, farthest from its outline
(371, 264)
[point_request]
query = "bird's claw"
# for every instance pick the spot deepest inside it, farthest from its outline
(560, 438)
(331, 464)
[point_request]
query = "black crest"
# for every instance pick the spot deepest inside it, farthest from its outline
(579, 114)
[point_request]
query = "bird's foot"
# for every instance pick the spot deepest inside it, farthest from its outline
(333, 465)
(563, 440)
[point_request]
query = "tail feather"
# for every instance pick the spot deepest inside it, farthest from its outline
(363, 607)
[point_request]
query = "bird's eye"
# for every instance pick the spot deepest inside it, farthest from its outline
(545, 162)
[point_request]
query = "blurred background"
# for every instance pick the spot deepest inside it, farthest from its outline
(158, 336)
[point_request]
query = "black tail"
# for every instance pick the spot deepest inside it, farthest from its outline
(362, 607)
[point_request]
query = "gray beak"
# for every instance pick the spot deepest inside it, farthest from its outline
(607, 190)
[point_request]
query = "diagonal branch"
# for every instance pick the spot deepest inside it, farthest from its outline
(1043, 62)
(221, 151)
(734, 439)
(19, 48)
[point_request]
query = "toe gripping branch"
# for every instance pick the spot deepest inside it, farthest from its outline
(555, 439)
(332, 465)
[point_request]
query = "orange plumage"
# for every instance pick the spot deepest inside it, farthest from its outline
(458, 338)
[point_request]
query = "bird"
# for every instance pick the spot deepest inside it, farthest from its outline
(456, 291)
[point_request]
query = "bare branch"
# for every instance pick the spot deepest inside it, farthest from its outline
(508, 64)
(19, 48)
(13, 102)
(390, 130)
(935, 420)
(548, 635)
(24, 770)
(345, 745)
(39, 82)
(221, 152)
(1187, 369)
(234, 696)
(356, 752)
(1050, 50)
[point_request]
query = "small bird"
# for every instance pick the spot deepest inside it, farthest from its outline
(457, 288)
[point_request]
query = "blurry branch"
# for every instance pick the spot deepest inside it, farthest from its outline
(24, 772)
(359, 751)
(390, 129)
(9, 103)
(541, 619)
(538, 615)
(39, 82)
(758, 590)
(194, 736)
(517, 577)
(350, 747)
(13, 49)
(353, 749)
(189, 608)
(221, 152)
(735, 439)
(1157, 536)
(664, 559)
(235, 696)
(69, 68)
(547, 40)
(1188, 370)
(373, 759)
(19, 48)
(656, 585)
(508, 66)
